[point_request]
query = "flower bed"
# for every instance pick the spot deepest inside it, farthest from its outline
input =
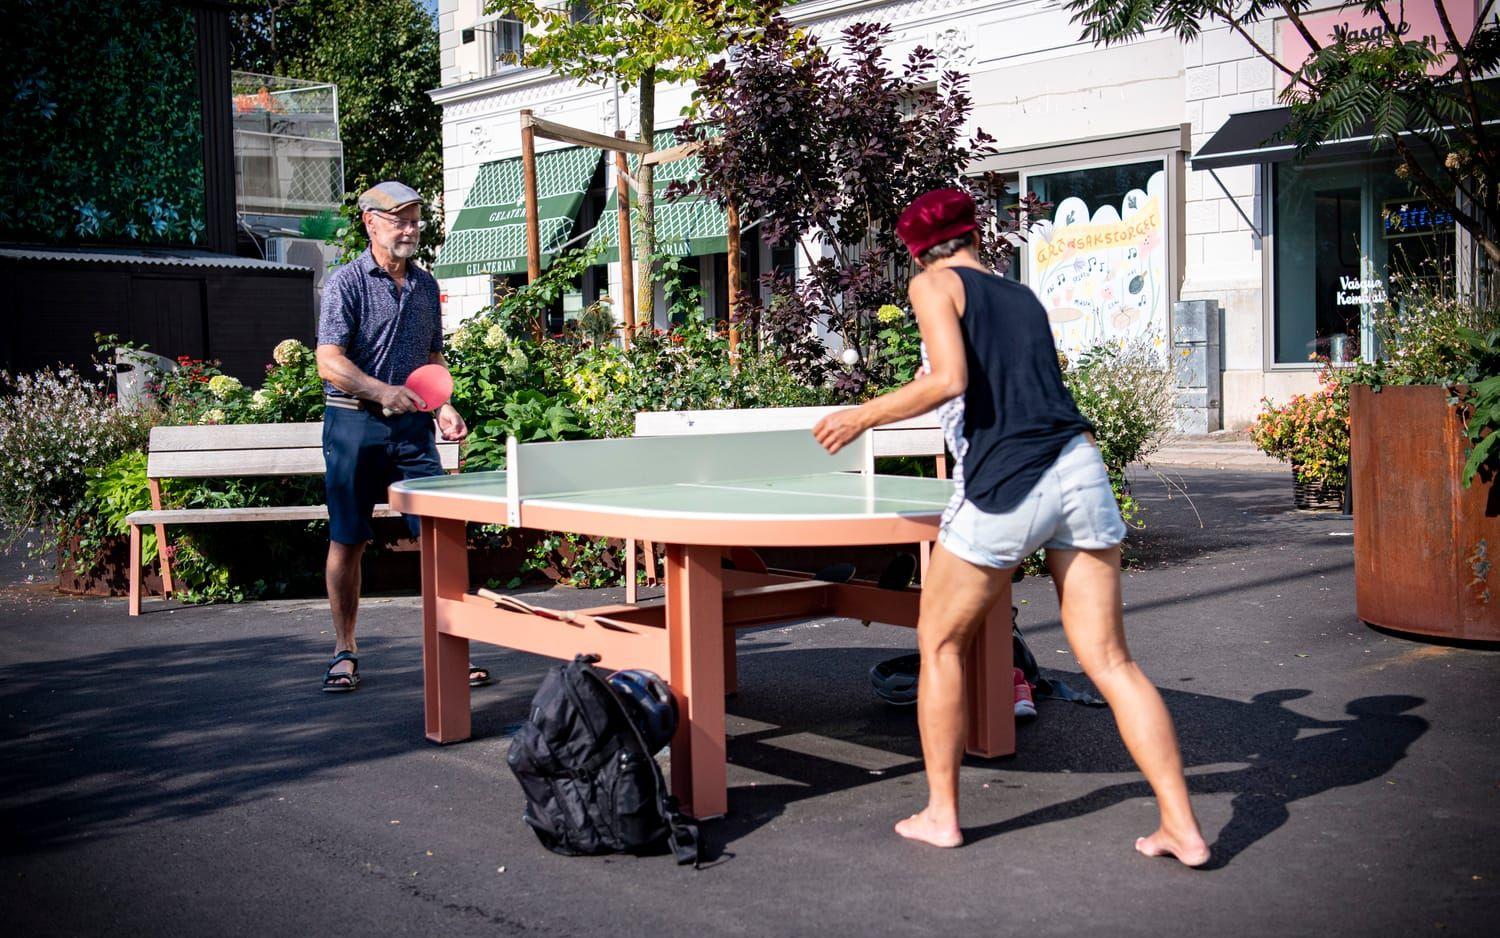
(1311, 431)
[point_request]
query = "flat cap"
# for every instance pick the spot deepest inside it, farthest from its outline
(389, 196)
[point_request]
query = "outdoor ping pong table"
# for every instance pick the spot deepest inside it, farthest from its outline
(696, 496)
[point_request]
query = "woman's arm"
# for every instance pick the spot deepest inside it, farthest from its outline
(935, 303)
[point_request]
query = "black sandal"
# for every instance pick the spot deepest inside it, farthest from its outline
(341, 683)
(478, 677)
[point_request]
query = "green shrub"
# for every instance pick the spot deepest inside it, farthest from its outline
(54, 427)
(584, 562)
(896, 353)
(1125, 391)
(1477, 394)
(1423, 334)
(1429, 336)
(1310, 431)
(198, 391)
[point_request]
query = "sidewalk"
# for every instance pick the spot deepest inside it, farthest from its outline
(179, 774)
(1226, 449)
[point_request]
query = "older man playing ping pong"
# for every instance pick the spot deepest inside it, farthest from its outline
(380, 321)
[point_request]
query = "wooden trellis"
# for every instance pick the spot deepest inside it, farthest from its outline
(533, 127)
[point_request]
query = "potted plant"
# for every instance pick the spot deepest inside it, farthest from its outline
(1311, 431)
(1427, 526)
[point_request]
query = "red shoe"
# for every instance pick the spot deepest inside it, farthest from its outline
(1025, 706)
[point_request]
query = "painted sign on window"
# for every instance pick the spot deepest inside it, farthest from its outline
(1102, 273)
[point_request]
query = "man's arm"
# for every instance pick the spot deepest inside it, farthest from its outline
(449, 422)
(335, 367)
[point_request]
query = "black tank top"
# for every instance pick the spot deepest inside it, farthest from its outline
(1016, 414)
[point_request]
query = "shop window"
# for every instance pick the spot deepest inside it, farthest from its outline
(1342, 233)
(1102, 272)
(501, 285)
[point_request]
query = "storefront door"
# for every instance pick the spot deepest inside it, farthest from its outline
(1346, 236)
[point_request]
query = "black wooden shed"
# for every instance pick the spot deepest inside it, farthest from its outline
(178, 302)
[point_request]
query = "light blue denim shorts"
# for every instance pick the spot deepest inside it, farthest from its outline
(1071, 507)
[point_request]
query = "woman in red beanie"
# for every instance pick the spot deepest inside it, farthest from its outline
(1028, 476)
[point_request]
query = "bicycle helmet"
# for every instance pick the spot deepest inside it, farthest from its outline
(650, 704)
(895, 680)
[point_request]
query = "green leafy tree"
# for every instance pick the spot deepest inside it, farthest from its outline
(637, 43)
(1423, 99)
(383, 55)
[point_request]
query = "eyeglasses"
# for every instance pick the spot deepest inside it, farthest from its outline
(400, 223)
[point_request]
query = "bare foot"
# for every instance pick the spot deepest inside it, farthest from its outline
(923, 828)
(1189, 851)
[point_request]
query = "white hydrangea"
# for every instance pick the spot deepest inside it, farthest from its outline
(287, 352)
(222, 386)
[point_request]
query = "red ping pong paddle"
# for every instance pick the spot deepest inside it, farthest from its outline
(432, 383)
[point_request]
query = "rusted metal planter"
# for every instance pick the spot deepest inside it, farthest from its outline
(1425, 547)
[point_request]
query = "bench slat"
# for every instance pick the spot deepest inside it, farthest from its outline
(208, 461)
(217, 515)
(236, 436)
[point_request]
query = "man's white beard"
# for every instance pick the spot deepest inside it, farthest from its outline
(403, 251)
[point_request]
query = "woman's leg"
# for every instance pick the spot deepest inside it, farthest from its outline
(956, 597)
(1088, 588)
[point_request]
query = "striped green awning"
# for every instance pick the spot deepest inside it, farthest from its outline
(489, 235)
(690, 226)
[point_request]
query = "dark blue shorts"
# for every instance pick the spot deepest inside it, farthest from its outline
(364, 453)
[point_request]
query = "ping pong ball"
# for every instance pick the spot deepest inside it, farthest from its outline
(850, 356)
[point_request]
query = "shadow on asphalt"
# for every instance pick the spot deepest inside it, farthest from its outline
(1284, 765)
(1279, 756)
(157, 733)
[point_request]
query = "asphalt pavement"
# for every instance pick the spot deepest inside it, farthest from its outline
(181, 774)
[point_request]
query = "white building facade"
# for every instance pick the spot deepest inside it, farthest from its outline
(1153, 204)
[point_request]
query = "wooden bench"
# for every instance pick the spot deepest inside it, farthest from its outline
(915, 436)
(223, 452)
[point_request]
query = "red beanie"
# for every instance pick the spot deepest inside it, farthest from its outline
(934, 217)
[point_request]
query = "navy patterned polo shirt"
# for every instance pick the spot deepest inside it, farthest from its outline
(385, 336)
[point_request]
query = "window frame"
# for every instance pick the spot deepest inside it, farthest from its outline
(1270, 274)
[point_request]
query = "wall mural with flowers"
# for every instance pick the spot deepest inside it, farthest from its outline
(1101, 269)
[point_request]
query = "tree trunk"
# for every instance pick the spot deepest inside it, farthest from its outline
(645, 280)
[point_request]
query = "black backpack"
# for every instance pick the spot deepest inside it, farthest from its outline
(591, 785)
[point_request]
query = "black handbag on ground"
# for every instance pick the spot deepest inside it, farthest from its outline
(591, 784)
